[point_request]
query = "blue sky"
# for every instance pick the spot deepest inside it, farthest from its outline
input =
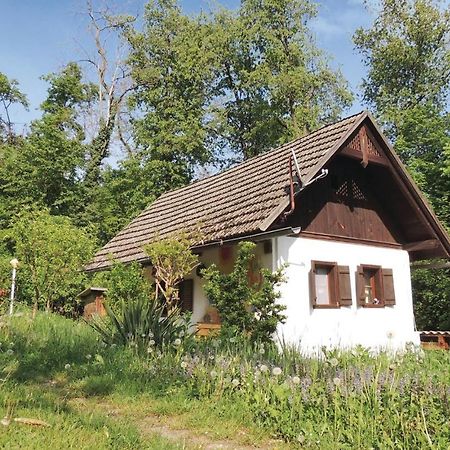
(40, 36)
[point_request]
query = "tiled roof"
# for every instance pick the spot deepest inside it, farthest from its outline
(238, 201)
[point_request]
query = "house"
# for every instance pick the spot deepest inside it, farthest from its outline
(337, 206)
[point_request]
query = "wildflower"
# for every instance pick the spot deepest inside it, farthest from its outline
(9, 351)
(113, 345)
(211, 357)
(276, 371)
(151, 342)
(235, 382)
(67, 366)
(263, 368)
(296, 380)
(88, 356)
(262, 350)
(334, 362)
(177, 342)
(213, 374)
(390, 334)
(143, 335)
(184, 364)
(337, 381)
(149, 349)
(11, 344)
(150, 334)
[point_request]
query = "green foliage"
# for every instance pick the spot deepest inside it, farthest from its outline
(143, 324)
(51, 253)
(246, 308)
(431, 299)
(171, 64)
(275, 83)
(171, 259)
(125, 283)
(10, 94)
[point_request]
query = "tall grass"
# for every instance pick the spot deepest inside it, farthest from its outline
(343, 400)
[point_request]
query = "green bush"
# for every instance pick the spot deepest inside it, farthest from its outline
(246, 308)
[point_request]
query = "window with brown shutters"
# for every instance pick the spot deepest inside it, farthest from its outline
(374, 286)
(329, 285)
(186, 294)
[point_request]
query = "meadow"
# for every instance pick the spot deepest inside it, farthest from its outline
(90, 394)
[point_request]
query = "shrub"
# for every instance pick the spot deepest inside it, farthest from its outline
(125, 283)
(172, 259)
(51, 252)
(143, 324)
(245, 307)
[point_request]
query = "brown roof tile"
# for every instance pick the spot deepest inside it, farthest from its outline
(235, 202)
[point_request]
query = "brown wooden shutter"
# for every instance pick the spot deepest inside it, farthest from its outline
(345, 291)
(360, 298)
(186, 293)
(388, 287)
(312, 286)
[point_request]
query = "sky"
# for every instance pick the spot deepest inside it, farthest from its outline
(40, 36)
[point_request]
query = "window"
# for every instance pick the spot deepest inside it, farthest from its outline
(186, 294)
(329, 285)
(375, 286)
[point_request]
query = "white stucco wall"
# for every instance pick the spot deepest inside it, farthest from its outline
(388, 327)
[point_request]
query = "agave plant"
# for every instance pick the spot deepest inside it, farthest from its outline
(143, 323)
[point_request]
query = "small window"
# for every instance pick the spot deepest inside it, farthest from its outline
(375, 286)
(329, 285)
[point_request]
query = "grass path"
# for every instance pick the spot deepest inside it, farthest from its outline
(180, 429)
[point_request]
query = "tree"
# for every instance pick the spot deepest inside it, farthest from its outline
(172, 64)
(51, 252)
(246, 307)
(10, 94)
(171, 259)
(275, 83)
(45, 167)
(408, 82)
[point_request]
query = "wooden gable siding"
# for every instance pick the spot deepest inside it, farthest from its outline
(344, 205)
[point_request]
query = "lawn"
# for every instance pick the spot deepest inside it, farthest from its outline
(232, 393)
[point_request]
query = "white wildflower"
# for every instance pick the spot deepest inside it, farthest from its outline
(213, 374)
(151, 342)
(337, 381)
(334, 362)
(9, 351)
(276, 371)
(88, 356)
(177, 341)
(262, 350)
(296, 380)
(184, 364)
(235, 382)
(263, 368)
(67, 366)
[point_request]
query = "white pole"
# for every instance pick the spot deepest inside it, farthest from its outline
(13, 263)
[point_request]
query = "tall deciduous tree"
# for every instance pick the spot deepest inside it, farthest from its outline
(171, 63)
(275, 82)
(407, 55)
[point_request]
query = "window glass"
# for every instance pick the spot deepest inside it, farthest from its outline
(322, 286)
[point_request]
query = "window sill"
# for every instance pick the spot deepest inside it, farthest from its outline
(326, 306)
(372, 306)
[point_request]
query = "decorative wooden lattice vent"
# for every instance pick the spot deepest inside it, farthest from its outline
(364, 138)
